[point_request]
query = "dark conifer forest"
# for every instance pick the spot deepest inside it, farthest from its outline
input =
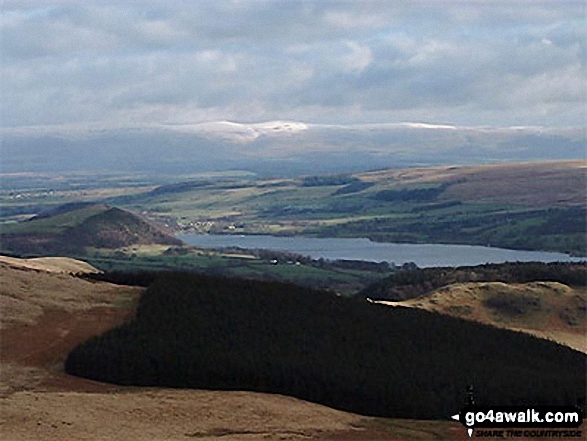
(203, 332)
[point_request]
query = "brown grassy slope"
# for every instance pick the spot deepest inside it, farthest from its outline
(531, 184)
(44, 315)
(51, 264)
(26, 294)
(546, 309)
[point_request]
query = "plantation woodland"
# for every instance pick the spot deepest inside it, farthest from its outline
(194, 331)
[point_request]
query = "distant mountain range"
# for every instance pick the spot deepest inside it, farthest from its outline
(279, 148)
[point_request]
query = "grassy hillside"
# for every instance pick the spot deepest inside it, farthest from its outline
(212, 333)
(412, 283)
(549, 310)
(63, 265)
(55, 222)
(539, 206)
(68, 231)
(545, 299)
(45, 315)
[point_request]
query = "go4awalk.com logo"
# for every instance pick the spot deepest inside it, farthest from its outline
(518, 421)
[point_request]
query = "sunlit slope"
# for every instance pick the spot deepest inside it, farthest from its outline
(26, 293)
(546, 309)
(532, 183)
(51, 264)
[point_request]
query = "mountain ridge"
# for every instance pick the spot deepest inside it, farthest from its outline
(285, 148)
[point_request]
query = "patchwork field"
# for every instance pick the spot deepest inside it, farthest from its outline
(536, 206)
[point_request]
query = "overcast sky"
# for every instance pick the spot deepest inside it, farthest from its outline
(469, 62)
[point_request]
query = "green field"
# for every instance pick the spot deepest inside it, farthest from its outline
(386, 210)
(533, 206)
(54, 224)
(317, 274)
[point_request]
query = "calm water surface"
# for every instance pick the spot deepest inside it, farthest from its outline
(423, 255)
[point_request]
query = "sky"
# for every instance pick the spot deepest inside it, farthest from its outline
(127, 63)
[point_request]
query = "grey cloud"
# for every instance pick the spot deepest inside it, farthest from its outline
(511, 62)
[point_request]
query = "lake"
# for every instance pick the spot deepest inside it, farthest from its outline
(423, 255)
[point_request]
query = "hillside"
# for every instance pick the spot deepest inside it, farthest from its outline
(75, 229)
(548, 310)
(530, 183)
(44, 315)
(536, 206)
(228, 334)
(51, 265)
(26, 292)
(407, 284)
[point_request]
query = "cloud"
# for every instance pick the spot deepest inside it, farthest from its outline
(359, 58)
(466, 62)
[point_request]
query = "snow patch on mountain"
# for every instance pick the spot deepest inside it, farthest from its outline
(241, 132)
